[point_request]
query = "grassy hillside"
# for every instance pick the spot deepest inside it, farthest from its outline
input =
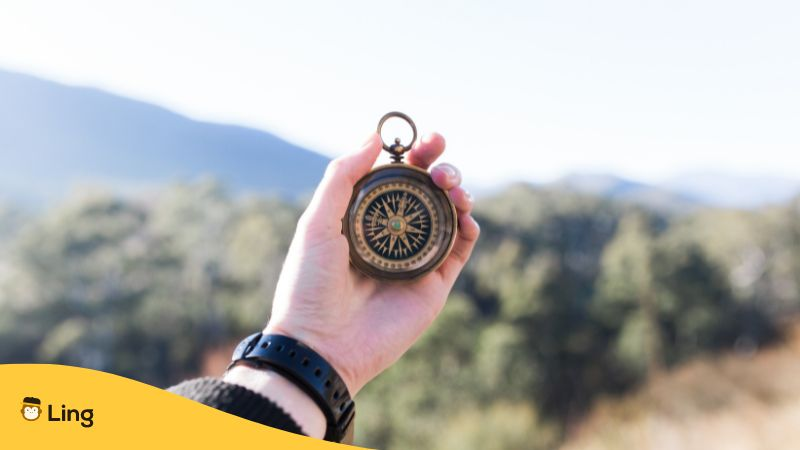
(740, 400)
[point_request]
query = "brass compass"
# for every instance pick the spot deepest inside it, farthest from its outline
(399, 224)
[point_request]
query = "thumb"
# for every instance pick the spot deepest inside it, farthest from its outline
(330, 200)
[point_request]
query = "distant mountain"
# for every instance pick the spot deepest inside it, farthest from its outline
(720, 189)
(687, 192)
(53, 136)
(620, 189)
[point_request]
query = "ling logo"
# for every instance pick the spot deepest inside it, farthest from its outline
(32, 410)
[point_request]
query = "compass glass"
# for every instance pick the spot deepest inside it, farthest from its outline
(399, 224)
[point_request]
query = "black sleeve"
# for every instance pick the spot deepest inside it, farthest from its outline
(237, 400)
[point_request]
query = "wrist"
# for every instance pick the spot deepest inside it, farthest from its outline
(283, 393)
(308, 371)
(351, 380)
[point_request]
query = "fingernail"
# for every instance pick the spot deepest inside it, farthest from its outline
(448, 170)
(469, 197)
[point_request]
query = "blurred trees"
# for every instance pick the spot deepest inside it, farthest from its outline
(567, 298)
(141, 288)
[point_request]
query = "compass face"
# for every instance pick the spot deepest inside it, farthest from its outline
(399, 226)
(397, 222)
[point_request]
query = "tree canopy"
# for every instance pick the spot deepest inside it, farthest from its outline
(567, 298)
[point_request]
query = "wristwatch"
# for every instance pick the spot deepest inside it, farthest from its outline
(310, 372)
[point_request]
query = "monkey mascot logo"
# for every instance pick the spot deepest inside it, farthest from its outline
(31, 408)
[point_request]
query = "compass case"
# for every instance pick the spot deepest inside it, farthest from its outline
(399, 224)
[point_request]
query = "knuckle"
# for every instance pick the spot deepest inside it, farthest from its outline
(473, 236)
(305, 219)
(335, 168)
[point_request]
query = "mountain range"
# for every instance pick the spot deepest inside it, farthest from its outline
(688, 191)
(54, 136)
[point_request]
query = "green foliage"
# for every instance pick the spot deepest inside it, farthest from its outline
(567, 298)
(142, 288)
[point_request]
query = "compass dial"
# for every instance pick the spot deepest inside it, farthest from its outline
(399, 226)
(397, 223)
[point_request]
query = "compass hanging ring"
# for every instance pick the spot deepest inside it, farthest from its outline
(397, 149)
(399, 224)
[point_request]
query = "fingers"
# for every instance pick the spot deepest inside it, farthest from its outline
(468, 233)
(349, 168)
(462, 199)
(330, 200)
(446, 176)
(426, 151)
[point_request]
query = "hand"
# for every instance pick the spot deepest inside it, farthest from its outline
(360, 325)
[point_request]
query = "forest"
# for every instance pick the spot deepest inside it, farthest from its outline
(568, 299)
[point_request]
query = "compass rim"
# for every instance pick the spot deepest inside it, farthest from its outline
(439, 196)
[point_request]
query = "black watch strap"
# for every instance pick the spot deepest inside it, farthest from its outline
(310, 372)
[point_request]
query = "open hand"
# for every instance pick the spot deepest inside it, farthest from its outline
(358, 324)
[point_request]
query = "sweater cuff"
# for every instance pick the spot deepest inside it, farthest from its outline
(237, 400)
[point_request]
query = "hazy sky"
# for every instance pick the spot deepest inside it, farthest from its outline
(531, 90)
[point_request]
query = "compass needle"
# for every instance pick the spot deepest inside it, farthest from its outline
(412, 229)
(383, 233)
(389, 212)
(401, 210)
(413, 215)
(404, 239)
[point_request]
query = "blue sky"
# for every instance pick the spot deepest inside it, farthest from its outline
(521, 90)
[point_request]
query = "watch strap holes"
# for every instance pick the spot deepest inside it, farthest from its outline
(308, 371)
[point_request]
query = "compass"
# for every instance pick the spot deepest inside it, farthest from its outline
(399, 224)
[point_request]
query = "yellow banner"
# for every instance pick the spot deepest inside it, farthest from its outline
(52, 406)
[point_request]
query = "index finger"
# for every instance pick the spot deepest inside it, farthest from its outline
(429, 148)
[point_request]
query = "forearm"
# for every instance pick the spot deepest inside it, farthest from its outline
(284, 393)
(259, 395)
(334, 329)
